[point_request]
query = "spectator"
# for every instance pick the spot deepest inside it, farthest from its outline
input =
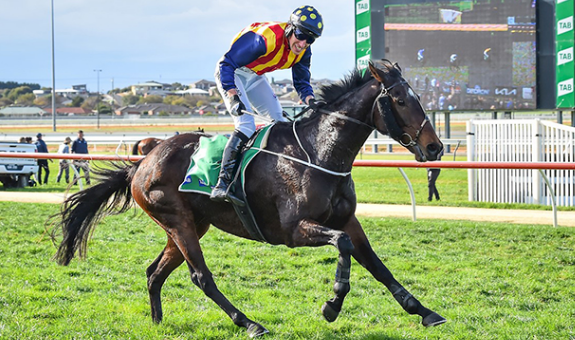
(64, 148)
(80, 146)
(42, 163)
(432, 174)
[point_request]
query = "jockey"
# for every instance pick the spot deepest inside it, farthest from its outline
(260, 48)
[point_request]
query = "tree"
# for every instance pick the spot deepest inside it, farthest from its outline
(90, 103)
(130, 99)
(175, 100)
(151, 99)
(43, 101)
(47, 100)
(26, 99)
(17, 92)
(77, 101)
(5, 102)
(13, 85)
(178, 86)
(104, 109)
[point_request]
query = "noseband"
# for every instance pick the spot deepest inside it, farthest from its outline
(384, 101)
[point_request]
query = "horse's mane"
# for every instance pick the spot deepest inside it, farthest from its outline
(355, 79)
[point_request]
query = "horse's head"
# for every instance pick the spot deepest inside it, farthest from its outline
(399, 113)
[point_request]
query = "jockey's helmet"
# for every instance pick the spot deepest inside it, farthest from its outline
(308, 20)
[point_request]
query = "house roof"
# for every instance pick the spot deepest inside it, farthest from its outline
(193, 92)
(154, 107)
(150, 83)
(22, 110)
(202, 81)
(69, 110)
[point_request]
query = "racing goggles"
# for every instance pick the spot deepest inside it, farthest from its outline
(301, 36)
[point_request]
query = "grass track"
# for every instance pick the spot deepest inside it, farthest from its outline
(491, 281)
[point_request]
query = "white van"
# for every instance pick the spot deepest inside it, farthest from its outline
(17, 172)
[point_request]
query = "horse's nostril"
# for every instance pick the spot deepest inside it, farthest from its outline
(433, 150)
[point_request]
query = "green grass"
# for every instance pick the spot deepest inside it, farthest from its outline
(491, 281)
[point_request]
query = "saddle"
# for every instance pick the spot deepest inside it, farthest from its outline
(202, 174)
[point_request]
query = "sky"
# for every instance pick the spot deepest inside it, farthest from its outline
(133, 41)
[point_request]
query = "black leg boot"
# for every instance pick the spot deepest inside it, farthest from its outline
(230, 158)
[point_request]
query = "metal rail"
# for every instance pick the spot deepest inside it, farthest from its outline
(366, 163)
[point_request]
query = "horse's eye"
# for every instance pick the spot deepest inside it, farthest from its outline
(401, 102)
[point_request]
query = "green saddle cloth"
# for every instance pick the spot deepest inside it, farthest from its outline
(205, 163)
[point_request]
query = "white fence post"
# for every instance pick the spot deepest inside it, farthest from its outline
(471, 173)
(537, 147)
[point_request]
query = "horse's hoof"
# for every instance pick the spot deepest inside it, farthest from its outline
(329, 312)
(255, 330)
(433, 319)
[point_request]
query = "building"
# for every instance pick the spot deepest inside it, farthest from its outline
(153, 109)
(76, 90)
(203, 84)
(151, 88)
(22, 111)
(193, 92)
(69, 111)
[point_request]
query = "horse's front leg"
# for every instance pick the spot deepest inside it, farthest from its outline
(365, 255)
(310, 233)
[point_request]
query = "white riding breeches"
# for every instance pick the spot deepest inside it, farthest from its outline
(257, 95)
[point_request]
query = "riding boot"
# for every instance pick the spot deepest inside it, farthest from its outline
(232, 153)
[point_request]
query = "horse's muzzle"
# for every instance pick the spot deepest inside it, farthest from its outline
(431, 152)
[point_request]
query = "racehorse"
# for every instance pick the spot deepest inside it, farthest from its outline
(300, 191)
(144, 146)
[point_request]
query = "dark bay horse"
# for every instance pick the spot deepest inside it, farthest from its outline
(303, 196)
(145, 146)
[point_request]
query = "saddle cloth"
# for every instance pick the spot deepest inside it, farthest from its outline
(205, 162)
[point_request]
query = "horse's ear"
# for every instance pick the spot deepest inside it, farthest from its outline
(396, 66)
(375, 72)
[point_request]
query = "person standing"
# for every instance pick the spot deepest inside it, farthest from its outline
(42, 163)
(432, 174)
(258, 49)
(80, 146)
(64, 148)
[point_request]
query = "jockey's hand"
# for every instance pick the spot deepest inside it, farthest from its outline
(316, 104)
(236, 106)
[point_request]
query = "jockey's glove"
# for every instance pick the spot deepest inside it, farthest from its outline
(316, 104)
(236, 106)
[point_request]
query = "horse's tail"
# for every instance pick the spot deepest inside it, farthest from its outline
(135, 148)
(81, 212)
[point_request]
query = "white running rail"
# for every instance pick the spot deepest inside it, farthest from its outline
(521, 141)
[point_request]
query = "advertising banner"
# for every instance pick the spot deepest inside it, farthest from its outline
(362, 33)
(564, 43)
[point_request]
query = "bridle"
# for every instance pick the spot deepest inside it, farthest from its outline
(384, 95)
(411, 141)
(388, 112)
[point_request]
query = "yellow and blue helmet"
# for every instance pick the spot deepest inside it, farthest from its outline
(308, 20)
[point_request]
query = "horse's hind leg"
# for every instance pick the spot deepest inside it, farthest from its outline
(187, 241)
(365, 255)
(310, 233)
(169, 259)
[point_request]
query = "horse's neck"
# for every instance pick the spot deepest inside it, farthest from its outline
(334, 142)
